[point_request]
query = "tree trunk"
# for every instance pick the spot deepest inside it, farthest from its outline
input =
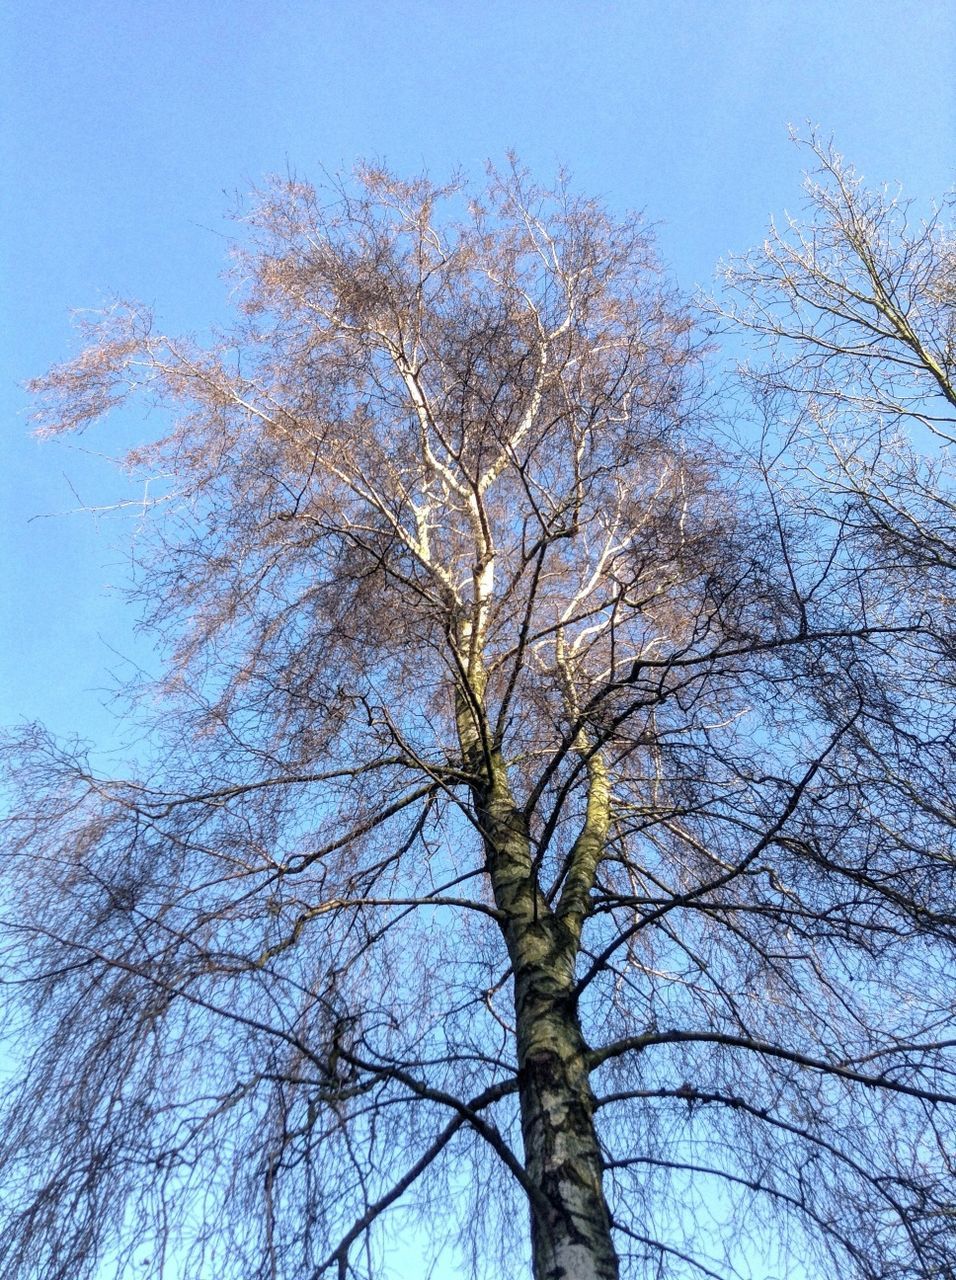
(570, 1222)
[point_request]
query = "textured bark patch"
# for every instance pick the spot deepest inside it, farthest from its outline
(571, 1233)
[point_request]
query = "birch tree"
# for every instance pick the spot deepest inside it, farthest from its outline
(523, 849)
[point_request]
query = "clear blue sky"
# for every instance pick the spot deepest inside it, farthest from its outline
(128, 124)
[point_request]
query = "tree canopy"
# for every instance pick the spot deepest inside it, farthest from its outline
(549, 802)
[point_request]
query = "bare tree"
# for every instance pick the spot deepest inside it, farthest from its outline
(855, 308)
(526, 826)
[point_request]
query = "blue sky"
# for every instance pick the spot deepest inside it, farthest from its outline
(128, 126)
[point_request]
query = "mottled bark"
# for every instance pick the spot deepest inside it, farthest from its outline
(570, 1221)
